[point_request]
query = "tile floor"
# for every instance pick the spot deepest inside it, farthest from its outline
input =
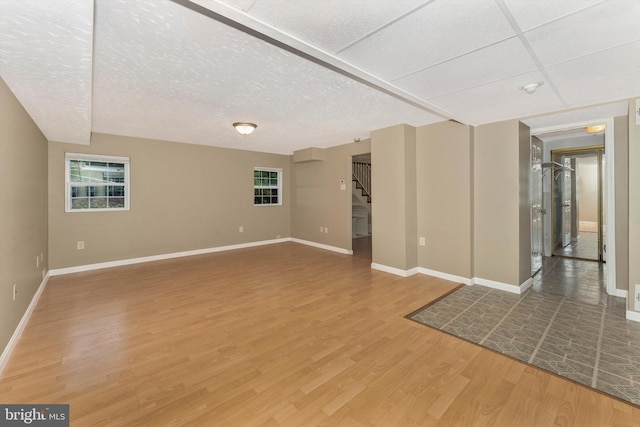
(556, 325)
(585, 247)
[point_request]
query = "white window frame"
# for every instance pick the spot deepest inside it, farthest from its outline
(95, 158)
(278, 187)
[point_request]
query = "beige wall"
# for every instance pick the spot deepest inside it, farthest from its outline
(317, 199)
(23, 215)
(621, 151)
(587, 174)
(183, 197)
(394, 206)
(502, 242)
(634, 203)
(444, 160)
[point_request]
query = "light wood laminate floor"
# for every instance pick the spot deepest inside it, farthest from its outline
(282, 335)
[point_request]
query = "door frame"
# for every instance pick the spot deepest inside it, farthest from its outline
(609, 147)
(597, 150)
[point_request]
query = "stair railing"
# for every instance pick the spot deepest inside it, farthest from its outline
(362, 175)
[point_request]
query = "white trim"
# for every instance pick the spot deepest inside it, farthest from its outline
(526, 285)
(446, 276)
(393, 270)
(500, 286)
(633, 315)
(280, 172)
(622, 293)
(129, 261)
(322, 246)
(6, 353)
(609, 145)
(126, 161)
(119, 263)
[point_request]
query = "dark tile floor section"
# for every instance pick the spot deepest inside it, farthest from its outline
(575, 279)
(586, 246)
(591, 344)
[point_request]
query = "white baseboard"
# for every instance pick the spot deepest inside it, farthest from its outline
(322, 246)
(526, 285)
(499, 285)
(446, 276)
(393, 270)
(119, 263)
(633, 315)
(6, 353)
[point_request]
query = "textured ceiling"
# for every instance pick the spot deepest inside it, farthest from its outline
(308, 72)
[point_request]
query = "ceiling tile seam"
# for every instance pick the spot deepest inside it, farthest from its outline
(507, 14)
(607, 78)
(313, 54)
(251, 7)
(383, 26)
(453, 58)
(481, 85)
(597, 52)
(565, 15)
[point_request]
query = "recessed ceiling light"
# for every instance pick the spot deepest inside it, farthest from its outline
(531, 87)
(245, 128)
(595, 128)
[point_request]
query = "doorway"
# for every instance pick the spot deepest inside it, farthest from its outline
(361, 219)
(579, 211)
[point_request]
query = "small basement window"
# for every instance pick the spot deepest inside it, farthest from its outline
(267, 186)
(96, 183)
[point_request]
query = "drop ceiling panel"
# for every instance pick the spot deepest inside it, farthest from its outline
(438, 32)
(581, 115)
(496, 62)
(604, 90)
(590, 68)
(163, 71)
(530, 14)
(494, 93)
(329, 24)
(45, 58)
(595, 29)
(517, 108)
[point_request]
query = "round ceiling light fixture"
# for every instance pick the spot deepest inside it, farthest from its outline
(245, 128)
(530, 88)
(595, 128)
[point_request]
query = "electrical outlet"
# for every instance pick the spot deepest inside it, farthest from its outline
(41, 257)
(326, 230)
(15, 291)
(80, 244)
(321, 229)
(241, 229)
(422, 241)
(37, 262)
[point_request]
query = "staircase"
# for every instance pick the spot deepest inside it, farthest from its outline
(361, 199)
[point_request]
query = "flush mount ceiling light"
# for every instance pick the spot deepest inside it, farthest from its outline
(245, 128)
(595, 128)
(531, 87)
